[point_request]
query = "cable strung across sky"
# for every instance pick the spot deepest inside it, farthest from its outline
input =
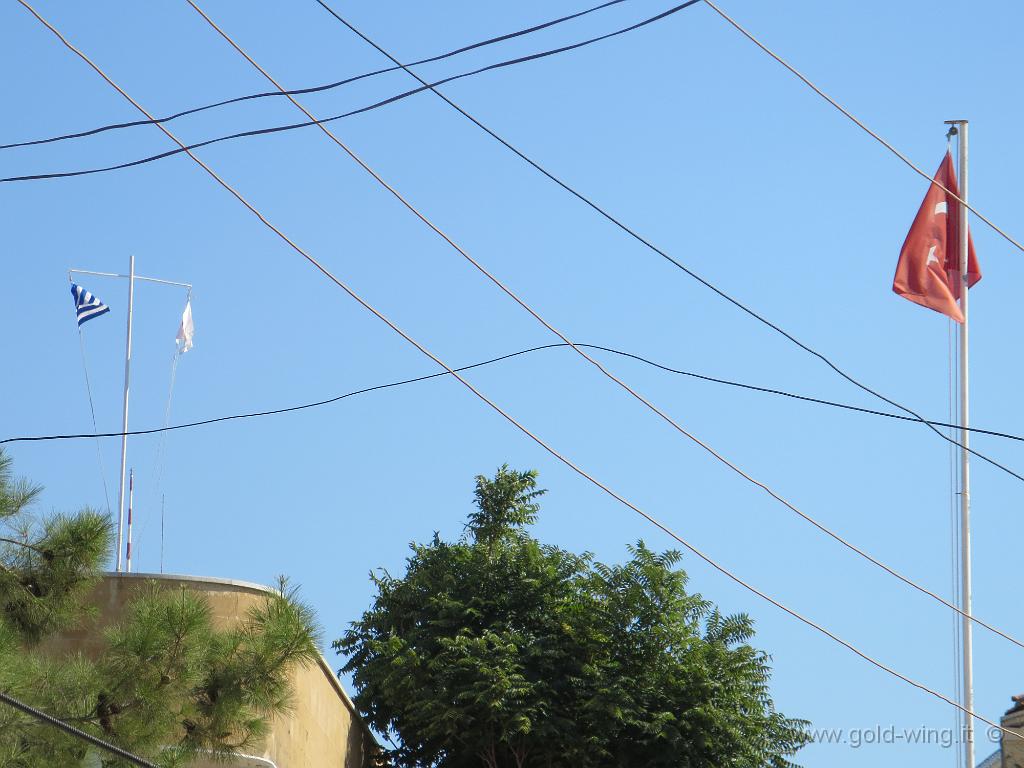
(432, 87)
(314, 89)
(495, 407)
(646, 243)
(721, 458)
(660, 252)
(427, 377)
(860, 124)
(351, 113)
(77, 733)
(439, 57)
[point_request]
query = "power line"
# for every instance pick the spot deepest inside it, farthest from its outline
(351, 113)
(721, 458)
(106, 746)
(860, 124)
(601, 369)
(432, 86)
(665, 255)
(417, 379)
(314, 89)
(494, 406)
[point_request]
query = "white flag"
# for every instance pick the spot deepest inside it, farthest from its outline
(186, 330)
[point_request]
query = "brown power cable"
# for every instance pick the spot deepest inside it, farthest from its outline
(858, 123)
(508, 291)
(539, 441)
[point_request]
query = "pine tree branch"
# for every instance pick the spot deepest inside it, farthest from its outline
(47, 554)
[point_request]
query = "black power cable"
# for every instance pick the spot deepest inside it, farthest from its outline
(319, 403)
(72, 731)
(376, 105)
(313, 89)
(675, 262)
(432, 87)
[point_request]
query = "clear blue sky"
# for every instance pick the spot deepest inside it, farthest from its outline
(687, 132)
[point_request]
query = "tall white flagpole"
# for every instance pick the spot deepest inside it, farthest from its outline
(124, 416)
(965, 469)
(131, 277)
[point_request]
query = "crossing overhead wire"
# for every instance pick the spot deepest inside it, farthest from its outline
(495, 407)
(71, 730)
(588, 358)
(317, 88)
(664, 254)
(351, 113)
(860, 124)
(601, 369)
(432, 86)
(482, 363)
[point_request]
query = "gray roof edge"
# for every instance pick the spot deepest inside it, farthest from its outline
(250, 585)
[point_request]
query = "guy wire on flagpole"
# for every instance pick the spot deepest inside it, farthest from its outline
(963, 233)
(954, 522)
(498, 409)
(161, 449)
(953, 369)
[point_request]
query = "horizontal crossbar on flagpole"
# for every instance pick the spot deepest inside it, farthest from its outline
(137, 277)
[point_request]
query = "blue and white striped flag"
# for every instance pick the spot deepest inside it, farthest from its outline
(86, 305)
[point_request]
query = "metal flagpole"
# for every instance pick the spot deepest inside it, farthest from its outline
(132, 278)
(124, 416)
(965, 470)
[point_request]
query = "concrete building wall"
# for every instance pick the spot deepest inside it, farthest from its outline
(323, 730)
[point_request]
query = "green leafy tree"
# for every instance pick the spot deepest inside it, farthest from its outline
(499, 651)
(165, 683)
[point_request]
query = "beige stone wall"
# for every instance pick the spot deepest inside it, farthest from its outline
(323, 729)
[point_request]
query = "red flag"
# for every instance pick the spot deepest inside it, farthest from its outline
(928, 272)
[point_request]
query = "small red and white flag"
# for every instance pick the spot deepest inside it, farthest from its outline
(928, 272)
